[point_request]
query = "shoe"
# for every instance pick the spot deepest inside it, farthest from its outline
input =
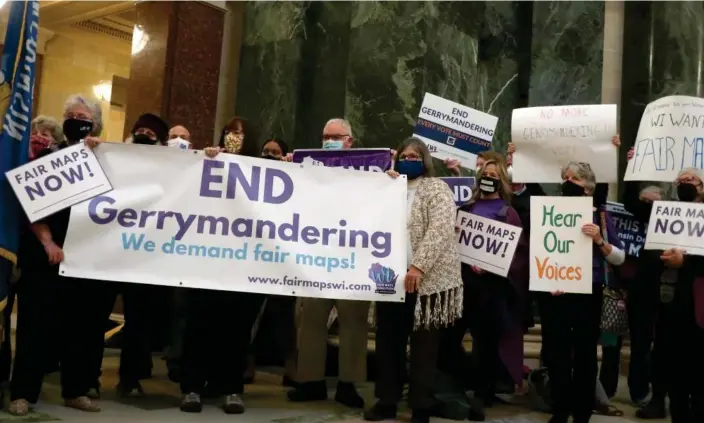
(347, 395)
(652, 410)
(191, 403)
(476, 410)
(233, 404)
(94, 392)
(380, 412)
(82, 403)
(129, 389)
(420, 416)
(19, 407)
(309, 391)
(287, 381)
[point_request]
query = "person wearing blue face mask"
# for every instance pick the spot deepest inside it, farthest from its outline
(313, 331)
(434, 291)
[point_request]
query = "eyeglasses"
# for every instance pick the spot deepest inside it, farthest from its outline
(328, 137)
(410, 156)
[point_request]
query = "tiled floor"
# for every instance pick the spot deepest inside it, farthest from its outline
(265, 401)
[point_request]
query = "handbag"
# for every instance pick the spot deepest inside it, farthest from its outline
(614, 317)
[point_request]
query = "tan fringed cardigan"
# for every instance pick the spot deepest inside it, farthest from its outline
(431, 228)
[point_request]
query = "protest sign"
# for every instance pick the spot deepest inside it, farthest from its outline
(669, 139)
(235, 223)
(486, 243)
(453, 131)
(674, 224)
(561, 255)
(57, 181)
(371, 159)
(547, 138)
(461, 187)
(630, 231)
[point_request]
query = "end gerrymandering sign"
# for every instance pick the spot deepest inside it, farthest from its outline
(57, 181)
(669, 139)
(675, 224)
(453, 131)
(369, 159)
(241, 224)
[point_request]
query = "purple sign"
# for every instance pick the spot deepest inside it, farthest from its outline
(370, 159)
(461, 187)
(630, 231)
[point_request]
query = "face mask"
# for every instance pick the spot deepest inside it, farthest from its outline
(333, 145)
(270, 157)
(488, 184)
(601, 194)
(233, 142)
(37, 144)
(77, 129)
(687, 192)
(411, 168)
(179, 143)
(570, 189)
(143, 139)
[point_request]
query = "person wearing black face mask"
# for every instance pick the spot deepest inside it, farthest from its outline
(150, 129)
(274, 149)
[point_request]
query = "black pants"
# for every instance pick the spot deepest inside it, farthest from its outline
(685, 367)
(276, 337)
(216, 340)
(643, 300)
(662, 352)
(394, 325)
(54, 316)
(141, 322)
(610, 367)
(570, 325)
(6, 349)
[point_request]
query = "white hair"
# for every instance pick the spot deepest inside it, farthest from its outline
(343, 122)
(692, 171)
(94, 108)
(653, 189)
(583, 172)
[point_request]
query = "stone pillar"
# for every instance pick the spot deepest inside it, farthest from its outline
(175, 67)
(613, 60)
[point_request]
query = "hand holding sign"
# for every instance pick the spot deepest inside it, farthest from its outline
(673, 258)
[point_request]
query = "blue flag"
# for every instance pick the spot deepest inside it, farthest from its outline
(16, 87)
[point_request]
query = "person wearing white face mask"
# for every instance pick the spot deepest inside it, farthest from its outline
(313, 331)
(180, 138)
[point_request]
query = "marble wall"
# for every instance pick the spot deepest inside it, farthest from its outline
(371, 62)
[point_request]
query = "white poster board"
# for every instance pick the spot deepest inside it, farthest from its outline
(670, 138)
(243, 224)
(674, 224)
(486, 243)
(454, 131)
(547, 138)
(57, 181)
(561, 255)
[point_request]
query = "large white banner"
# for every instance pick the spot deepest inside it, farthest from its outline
(241, 224)
(486, 243)
(561, 255)
(57, 181)
(547, 138)
(454, 131)
(669, 139)
(674, 224)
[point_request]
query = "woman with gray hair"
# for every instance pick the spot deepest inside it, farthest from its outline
(53, 306)
(571, 322)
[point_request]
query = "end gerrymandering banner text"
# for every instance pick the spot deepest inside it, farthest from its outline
(241, 224)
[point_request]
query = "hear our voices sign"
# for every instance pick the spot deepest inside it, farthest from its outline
(57, 181)
(670, 138)
(241, 224)
(674, 224)
(560, 254)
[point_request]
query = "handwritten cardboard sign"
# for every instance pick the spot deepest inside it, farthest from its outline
(560, 254)
(547, 138)
(670, 138)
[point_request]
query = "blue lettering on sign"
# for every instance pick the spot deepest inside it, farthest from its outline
(451, 137)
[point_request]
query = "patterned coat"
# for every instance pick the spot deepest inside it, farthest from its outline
(431, 228)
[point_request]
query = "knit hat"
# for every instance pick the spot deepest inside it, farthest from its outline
(155, 123)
